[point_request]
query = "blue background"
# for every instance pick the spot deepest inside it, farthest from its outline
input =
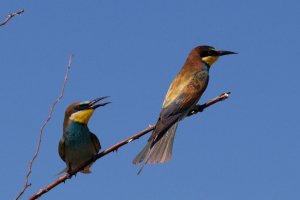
(246, 147)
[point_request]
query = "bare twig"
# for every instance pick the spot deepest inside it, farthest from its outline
(10, 16)
(27, 184)
(200, 108)
(62, 179)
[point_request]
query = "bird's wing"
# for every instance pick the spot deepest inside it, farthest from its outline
(162, 126)
(191, 84)
(61, 149)
(179, 102)
(170, 115)
(96, 142)
(176, 87)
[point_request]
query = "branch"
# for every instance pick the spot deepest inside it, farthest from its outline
(200, 108)
(27, 184)
(10, 16)
(62, 179)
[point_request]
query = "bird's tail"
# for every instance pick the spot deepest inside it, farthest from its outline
(160, 152)
(86, 170)
(62, 172)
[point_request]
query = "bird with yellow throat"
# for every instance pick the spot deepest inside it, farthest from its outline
(78, 144)
(183, 94)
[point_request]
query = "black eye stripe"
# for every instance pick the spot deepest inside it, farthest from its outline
(209, 53)
(80, 107)
(204, 54)
(212, 53)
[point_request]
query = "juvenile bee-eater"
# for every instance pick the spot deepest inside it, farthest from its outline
(183, 94)
(78, 144)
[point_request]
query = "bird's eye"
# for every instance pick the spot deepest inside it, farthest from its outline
(204, 54)
(209, 53)
(80, 107)
(76, 108)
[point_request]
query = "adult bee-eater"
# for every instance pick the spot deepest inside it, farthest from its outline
(183, 94)
(78, 144)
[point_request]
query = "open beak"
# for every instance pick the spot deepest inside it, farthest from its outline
(93, 104)
(222, 53)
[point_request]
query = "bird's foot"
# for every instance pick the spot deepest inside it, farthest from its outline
(195, 109)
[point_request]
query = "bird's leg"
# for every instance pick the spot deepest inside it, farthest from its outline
(70, 171)
(68, 176)
(195, 109)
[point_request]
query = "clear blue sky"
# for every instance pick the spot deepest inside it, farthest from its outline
(246, 147)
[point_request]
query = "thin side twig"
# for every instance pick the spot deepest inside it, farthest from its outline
(200, 108)
(27, 184)
(10, 16)
(62, 179)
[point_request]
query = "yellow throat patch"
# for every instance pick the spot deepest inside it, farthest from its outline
(82, 117)
(210, 59)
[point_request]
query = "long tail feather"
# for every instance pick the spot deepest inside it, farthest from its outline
(62, 172)
(142, 155)
(159, 153)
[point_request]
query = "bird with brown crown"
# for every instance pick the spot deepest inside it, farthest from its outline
(78, 144)
(183, 94)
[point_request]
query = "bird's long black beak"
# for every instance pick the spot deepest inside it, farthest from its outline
(93, 104)
(222, 53)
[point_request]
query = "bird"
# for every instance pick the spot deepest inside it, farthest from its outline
(78, 144)
(183, 94)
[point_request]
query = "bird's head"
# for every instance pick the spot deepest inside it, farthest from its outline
(210, 55)
(81, 112)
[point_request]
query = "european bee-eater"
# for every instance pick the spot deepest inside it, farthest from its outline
(183, 94)
(78, 144)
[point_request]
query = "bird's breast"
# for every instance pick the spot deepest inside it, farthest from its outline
(201, 75)
(78, 145)
(77, 134)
